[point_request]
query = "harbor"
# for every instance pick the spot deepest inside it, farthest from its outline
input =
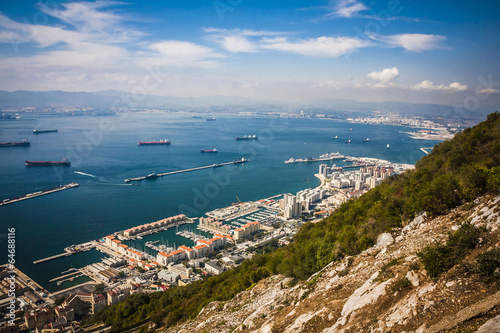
(157, 175)
(39, 193)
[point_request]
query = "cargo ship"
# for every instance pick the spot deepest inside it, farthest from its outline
(37, 131)
(161, 142)
(152, 176)
(209, 150)
(15, 144)
(210, 119)
(247, 137)
(64, 162)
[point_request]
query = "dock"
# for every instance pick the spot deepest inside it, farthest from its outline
(65, 276)
(425, 150)
(65, 254)
(39, 193)
(157, 175)
(69, 251)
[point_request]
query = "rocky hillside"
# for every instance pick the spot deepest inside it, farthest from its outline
(386, 288)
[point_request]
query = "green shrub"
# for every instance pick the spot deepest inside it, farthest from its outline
(488, 262)
(385, 271)
(438, 259)
(401, 284)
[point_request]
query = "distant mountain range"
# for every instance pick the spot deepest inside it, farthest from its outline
(120, 99)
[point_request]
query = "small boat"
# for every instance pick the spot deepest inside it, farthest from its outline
(348, 141)
(335, 137)
(388, 147)
(366, 140)
(210, 119)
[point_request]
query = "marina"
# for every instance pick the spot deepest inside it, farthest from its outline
(39, 193)
(157, 175)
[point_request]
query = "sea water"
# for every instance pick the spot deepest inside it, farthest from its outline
(104, 152)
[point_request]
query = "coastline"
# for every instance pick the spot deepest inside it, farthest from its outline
(430, 137)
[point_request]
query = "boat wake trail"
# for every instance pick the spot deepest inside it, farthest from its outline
(85, 174)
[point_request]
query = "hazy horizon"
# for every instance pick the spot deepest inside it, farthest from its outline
(435, 53)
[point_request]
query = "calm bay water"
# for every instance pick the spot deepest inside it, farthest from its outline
(106, 148)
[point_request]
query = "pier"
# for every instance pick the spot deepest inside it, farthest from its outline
(65, 254)
(425, 150)
(156, 175)
(69, 251)
(39, 193)
(65, 276)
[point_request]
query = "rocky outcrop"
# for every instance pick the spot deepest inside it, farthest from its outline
(383, 289)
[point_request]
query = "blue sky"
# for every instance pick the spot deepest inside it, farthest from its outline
(443, 52)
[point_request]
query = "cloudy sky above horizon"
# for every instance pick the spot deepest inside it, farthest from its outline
(442, 52)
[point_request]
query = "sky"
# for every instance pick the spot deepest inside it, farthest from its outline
(443, 52)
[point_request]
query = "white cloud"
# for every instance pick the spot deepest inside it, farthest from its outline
(412, 42)
(380, 80)
(347, 8)
(237, 44)
(175, 49)
(180, 53)
(489, 91)
(237, 40)
(385, 76)
(430, 86)
(86, 16)
(316, 47)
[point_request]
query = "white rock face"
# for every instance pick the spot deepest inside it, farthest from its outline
(413, 277)
(368, 293)
(384, 239)
(491, 326)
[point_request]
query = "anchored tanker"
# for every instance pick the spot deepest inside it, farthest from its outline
(14, 144)
(64, 162)
(247, 137)
(161, 142)
(37, 131)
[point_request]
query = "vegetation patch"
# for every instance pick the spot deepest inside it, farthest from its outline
(386, 272)
(438, 259)
(401, 284)
(489, 264)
